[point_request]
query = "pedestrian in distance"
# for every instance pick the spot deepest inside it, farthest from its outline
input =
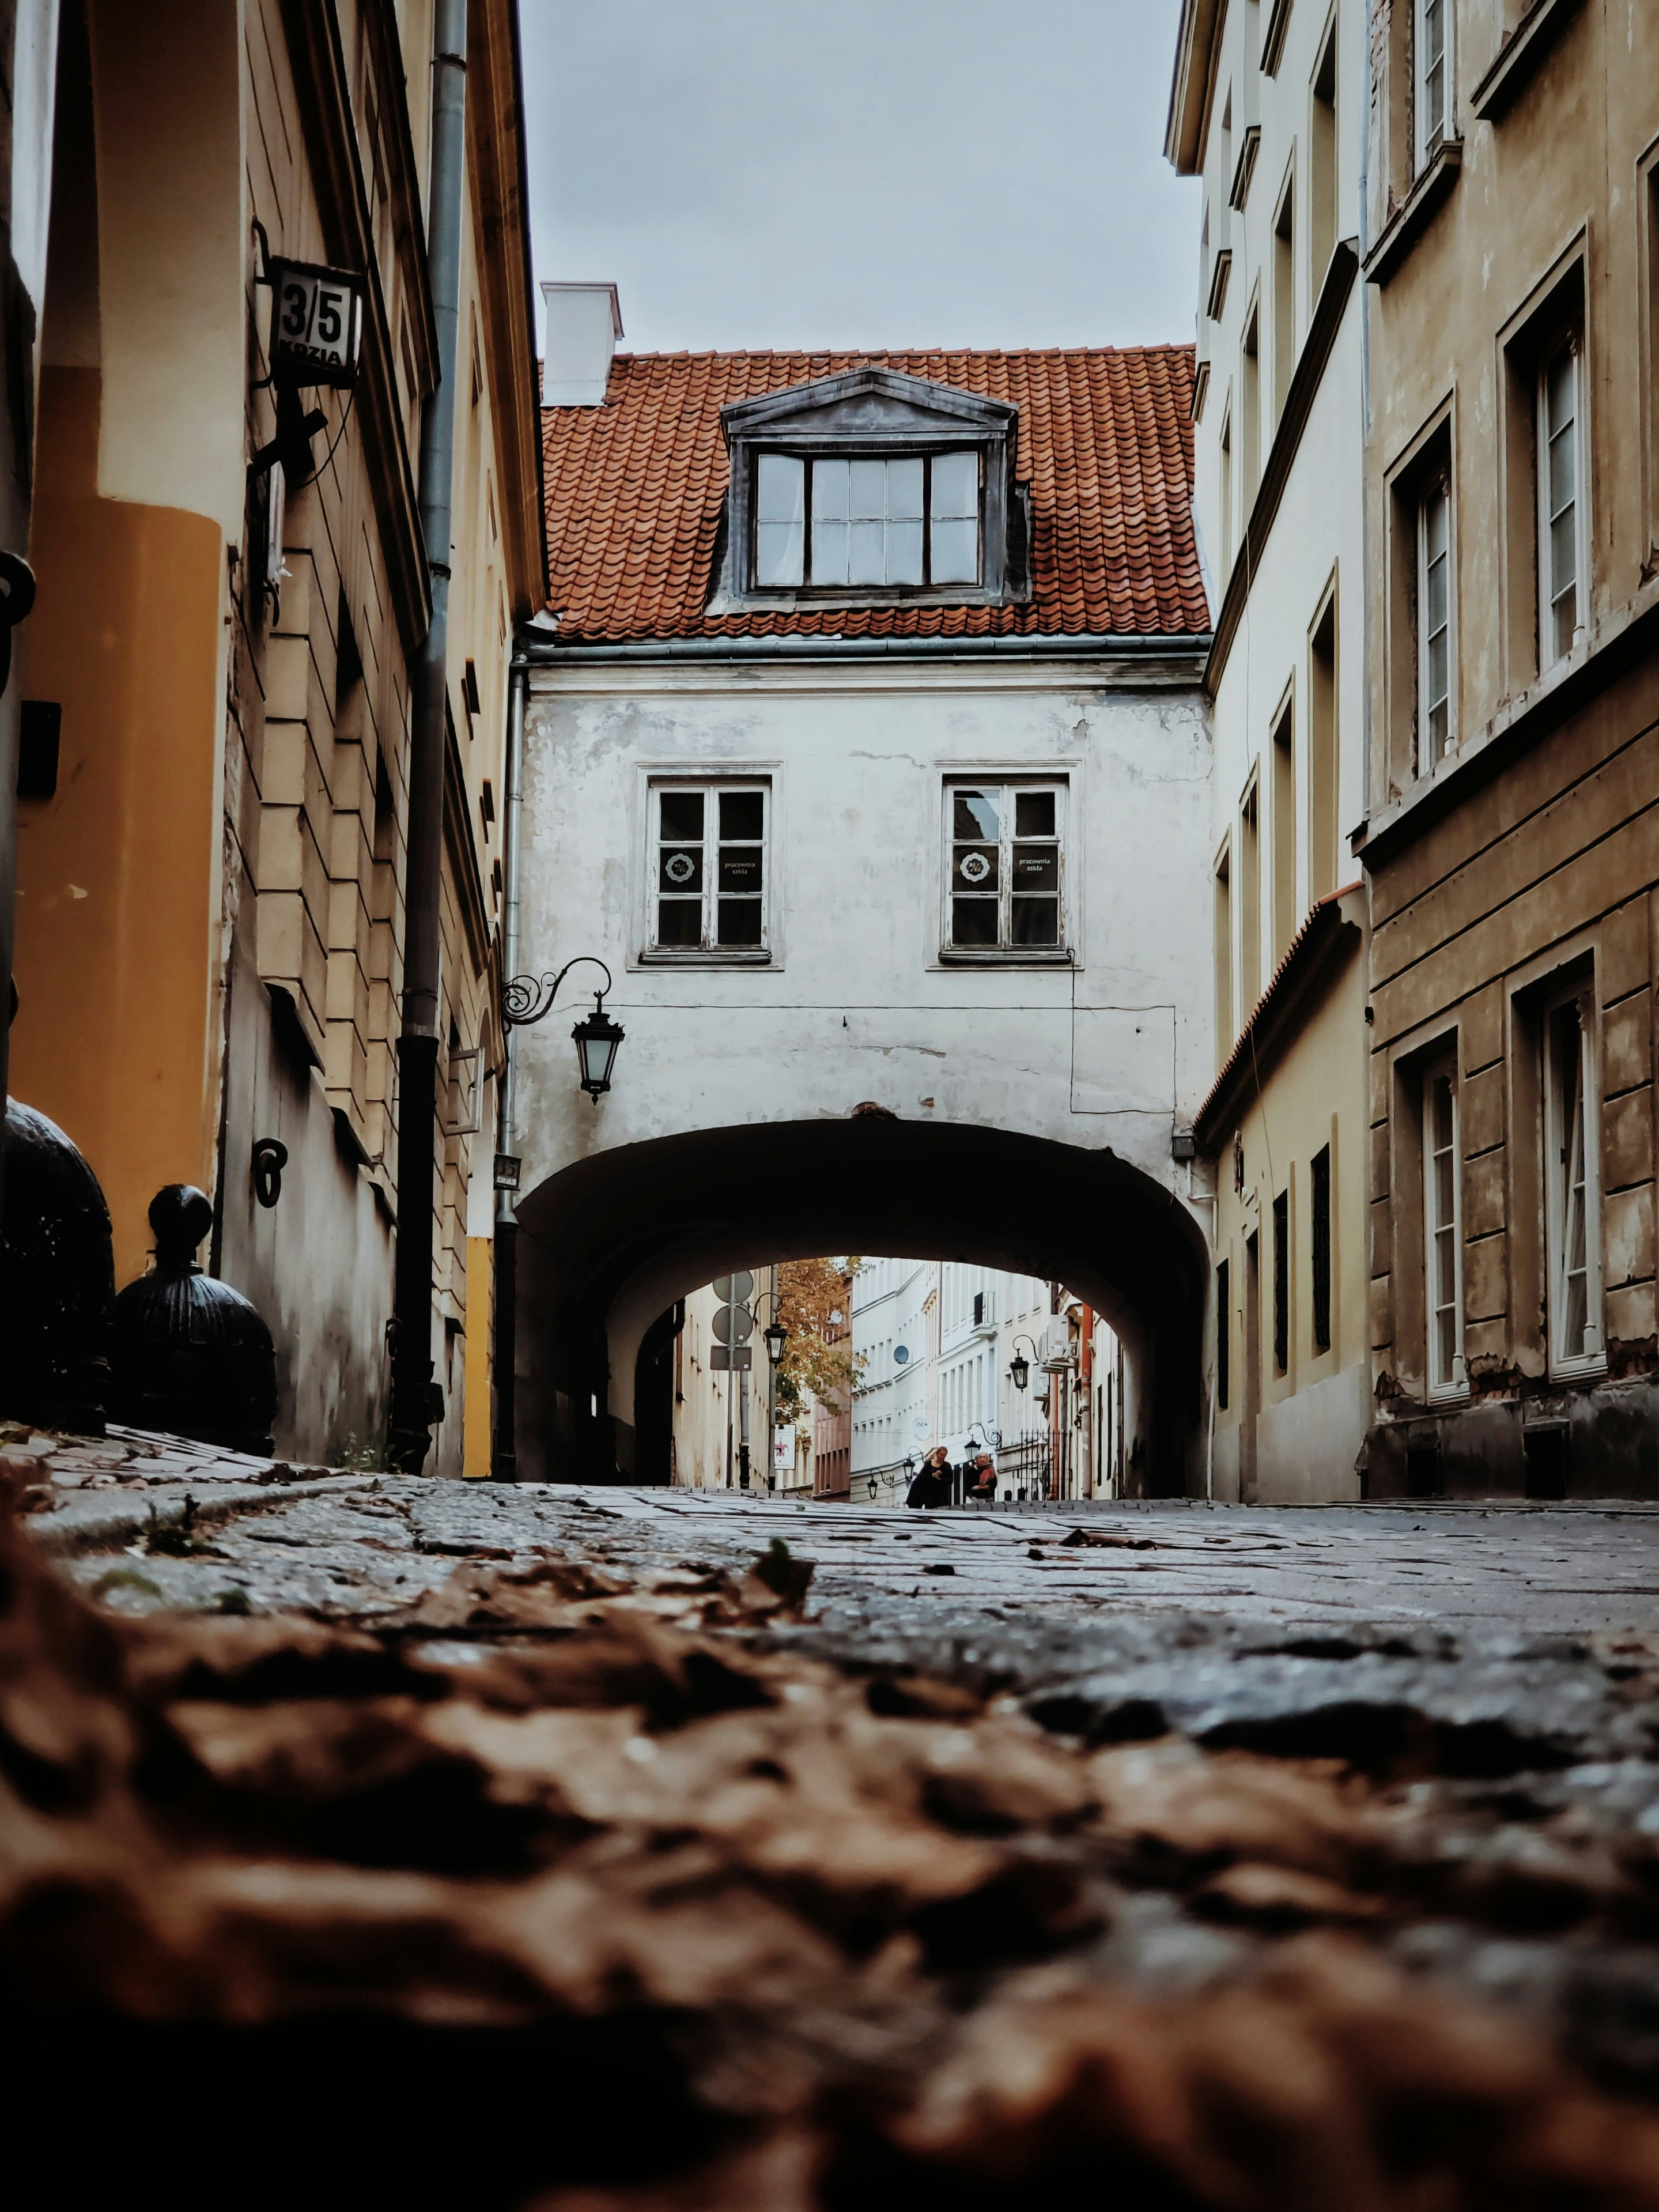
(983, 1488)
(933, 1484)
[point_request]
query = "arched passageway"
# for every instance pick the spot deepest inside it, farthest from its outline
(607, 1245)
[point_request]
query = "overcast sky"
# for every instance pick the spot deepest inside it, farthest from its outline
(862, 172)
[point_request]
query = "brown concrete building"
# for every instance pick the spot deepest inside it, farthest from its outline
(1511, 838)
(214, 863)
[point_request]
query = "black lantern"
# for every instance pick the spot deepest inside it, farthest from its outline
(597, 1039)
(1019, 1370)
(776, 1337)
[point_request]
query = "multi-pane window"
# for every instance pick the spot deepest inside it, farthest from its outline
(1443, 1230)
(827, 524)
(1433, 76)
(1434, 625)
(708, 845)
(1282, 1283)
(1560, 506)
(1572, 1185)
(1006, 848)
(1224, 1336)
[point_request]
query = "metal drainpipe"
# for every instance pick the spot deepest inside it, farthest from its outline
(413, 1411)
(504, 1461)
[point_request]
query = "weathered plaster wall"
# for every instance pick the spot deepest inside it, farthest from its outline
(856, 1005)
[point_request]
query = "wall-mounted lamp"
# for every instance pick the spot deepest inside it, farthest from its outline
(529, 998)
(776, 1337)
(1020, 1368)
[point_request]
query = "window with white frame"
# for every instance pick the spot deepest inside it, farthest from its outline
(1435, 727)
(1005, 864)
(1442, 1228)
(1572, 1208)
(708, 860)
(824, 523)
(1433, 87)
(1562, 545)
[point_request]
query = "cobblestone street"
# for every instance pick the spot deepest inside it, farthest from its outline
(1108, 1757)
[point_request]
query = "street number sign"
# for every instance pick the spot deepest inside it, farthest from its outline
(316, 323)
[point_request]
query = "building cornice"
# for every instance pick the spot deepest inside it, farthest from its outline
(1330, 933)
(1316, 350)
(1611, 648)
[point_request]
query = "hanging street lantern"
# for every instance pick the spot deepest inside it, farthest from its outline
(1019, 1370)
(776, 1337)
(597, 1038)
(528, 999)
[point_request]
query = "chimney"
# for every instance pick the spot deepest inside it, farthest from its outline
(584, 322)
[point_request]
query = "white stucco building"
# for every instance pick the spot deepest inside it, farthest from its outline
(902, 883)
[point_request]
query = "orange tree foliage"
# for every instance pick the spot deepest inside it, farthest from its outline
(814, 1364)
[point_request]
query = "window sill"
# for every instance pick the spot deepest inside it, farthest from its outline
(1412, 217)
(1015, 957)
(1579, 1370)
(1519, 56)
(706, 956)
(1607, 649)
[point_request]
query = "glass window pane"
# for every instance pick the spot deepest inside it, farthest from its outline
(742, 813)
(739, 922)
(778, 551)
(869, 491)
(780, 489)
(973, 922)
(1563, 551)
(829, 552)
(680, 869)
(905, 552)
(956, 553)
(1562, 391)
(679, 921)
(1036, 922)
(975, 813)
(867, 559)
(1564, 467)
(681, 816)
(973, 868)
(904, 490)
(740, 868)
(1036, 868)
(955, 486)
(830, 488)
(1034, 813)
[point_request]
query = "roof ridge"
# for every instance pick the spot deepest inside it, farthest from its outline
(908, 352)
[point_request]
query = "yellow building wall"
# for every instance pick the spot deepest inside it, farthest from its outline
(117, 873)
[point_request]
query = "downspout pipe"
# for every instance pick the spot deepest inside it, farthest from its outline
(504, 1460)
(415, 1406)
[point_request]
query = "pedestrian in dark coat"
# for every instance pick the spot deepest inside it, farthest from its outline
(933, 1484)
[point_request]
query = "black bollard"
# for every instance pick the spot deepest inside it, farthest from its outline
(189, 1354)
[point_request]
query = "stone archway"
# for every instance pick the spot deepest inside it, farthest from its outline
(609, 1244)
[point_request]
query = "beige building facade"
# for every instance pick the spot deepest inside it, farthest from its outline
(213, 879)
(1511, 839)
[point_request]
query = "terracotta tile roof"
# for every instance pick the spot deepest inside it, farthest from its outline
(636, 489)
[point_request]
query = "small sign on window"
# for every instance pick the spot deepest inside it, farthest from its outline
(316, 323)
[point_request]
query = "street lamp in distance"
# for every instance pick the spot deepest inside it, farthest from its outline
(776, 1337)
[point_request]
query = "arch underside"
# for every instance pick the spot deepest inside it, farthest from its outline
(607, 1245)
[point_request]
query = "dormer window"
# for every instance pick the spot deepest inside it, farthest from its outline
(872, 486)
(912, 520)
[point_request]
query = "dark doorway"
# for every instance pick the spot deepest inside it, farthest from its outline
(653, 1399)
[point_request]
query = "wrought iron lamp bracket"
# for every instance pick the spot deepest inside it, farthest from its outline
(529, 998)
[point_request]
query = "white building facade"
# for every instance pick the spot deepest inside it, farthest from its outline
(901, 888)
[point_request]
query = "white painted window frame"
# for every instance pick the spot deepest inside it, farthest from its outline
(1436, 487)
(1558, 1109)
(1449, 1378)
(1549, 585)
(709, 952)
(1009, 782)
(1428, 142)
